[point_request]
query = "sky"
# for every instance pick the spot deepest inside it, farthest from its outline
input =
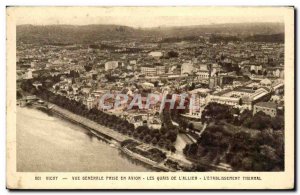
(144, 17)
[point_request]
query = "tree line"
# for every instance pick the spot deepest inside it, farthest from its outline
(263, 151)
(259, 148)
(260, 121)
(164, 137)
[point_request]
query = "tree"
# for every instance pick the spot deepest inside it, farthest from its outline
(172, 54)
(135, 134)
(154, 132)
(88, 68)
(265, 73)
(246, 114)
(163, 130)
(141, 135)
(259, 72)
(161, 143)
(140, 129)
(19, 95)
(277, 123)
(156, 83)
(260, 121)
(154, 141)
(192, 149)
(191, 86)
(216, 111)
(33, 91)
(171, 135)
(191, 126)
(148, 138)
(247, 164)
(173, 149)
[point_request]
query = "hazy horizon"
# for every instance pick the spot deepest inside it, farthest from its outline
(146, 17)
(163, 26)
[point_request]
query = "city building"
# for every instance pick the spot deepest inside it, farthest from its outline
(156, 54)
(37, 84)
(187, 68)
(268, 108)
(203, 74)
(240, 97)
(256, 68)
(160, 70)
(148, 71)
(112, 65)
(153, 71)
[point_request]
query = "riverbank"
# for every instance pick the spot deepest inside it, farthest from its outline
(89, 124)
(109, 135)
(49, 143)
(147, 161)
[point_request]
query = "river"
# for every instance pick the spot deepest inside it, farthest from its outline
(48, 143)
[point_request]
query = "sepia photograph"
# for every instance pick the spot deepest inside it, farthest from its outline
(150, 90)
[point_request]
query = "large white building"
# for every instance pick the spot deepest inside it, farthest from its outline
(156, 54)
(268, 108)
(228, 100)
(278, 86)
(148, 71)
(256, 68)
(240, 97)
(152, 71)
(28, 74)
(160, 70)
(200, 101)
(90, 102)
(203, 74)
(110, 65)
(187, 68)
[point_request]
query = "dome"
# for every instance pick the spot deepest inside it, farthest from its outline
(265, 82)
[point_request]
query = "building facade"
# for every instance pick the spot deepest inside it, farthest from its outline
(268, 108)
(111, 65)
(153, 71)
(187, 68)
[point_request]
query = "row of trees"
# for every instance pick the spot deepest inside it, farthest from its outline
(164, 137)
(260, 121)
(263, 151)
(245, 151)
(210, 146)
(218, 112)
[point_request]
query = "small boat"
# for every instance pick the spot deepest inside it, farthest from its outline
(112, 145)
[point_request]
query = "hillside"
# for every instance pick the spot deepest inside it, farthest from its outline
(244, 29)
(92, 33)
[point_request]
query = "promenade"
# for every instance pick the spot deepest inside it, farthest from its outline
(111, 134)
(89, 124)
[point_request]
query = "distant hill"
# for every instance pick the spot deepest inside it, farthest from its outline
(74, 34)
(274, 38)
(244, 29)
(65, 34)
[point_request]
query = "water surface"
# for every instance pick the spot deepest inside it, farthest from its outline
(47, 143)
